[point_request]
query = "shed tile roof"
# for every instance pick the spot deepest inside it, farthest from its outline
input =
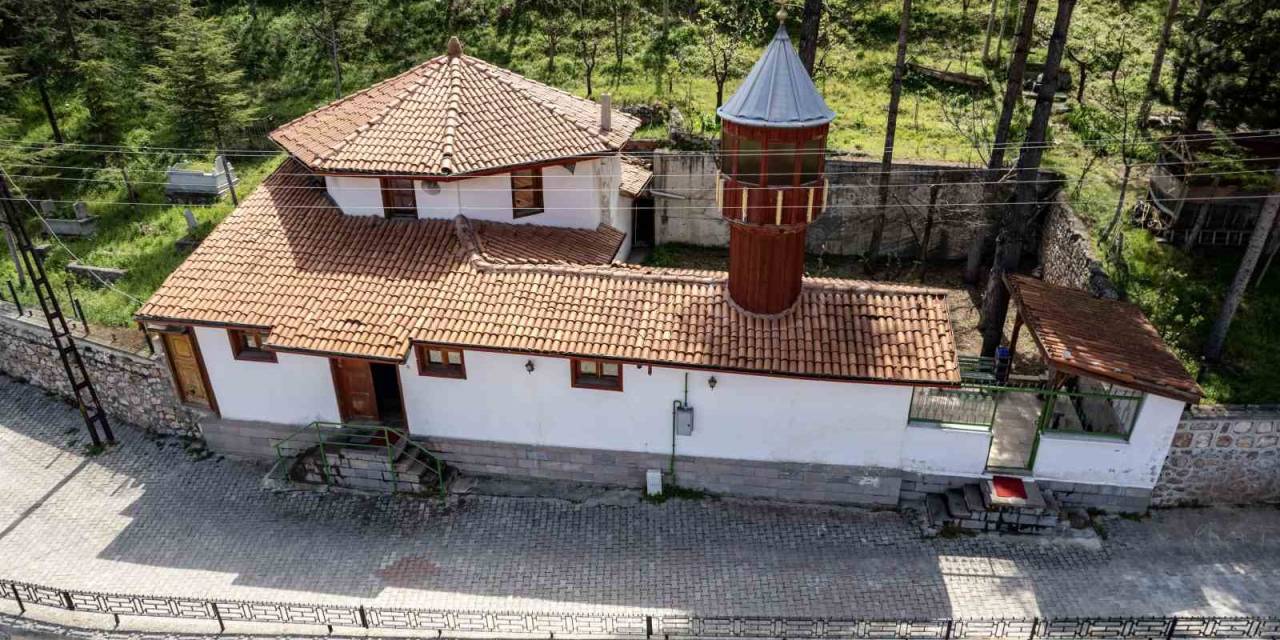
(361, 286)
(1107, 339)
(636, 176)
(451, 115)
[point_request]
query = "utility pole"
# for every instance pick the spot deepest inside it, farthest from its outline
(95, 419)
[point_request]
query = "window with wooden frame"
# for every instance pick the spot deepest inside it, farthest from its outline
(248, 344)
(597, 374)
(526, 192)
(399, 199)
(440, 361)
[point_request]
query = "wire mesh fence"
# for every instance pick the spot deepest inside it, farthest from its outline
(639, 625)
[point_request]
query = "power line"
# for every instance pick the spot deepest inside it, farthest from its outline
(58, 240)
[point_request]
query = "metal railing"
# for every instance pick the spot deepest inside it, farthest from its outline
(360, 456)
(962, 405)
(622, 625)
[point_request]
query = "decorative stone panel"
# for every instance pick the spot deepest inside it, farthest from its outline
(1223, 455)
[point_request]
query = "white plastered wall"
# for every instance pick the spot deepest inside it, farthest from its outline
(946, 450)
(355, 196)
(1084, 458)
(296, 389)
(744, 417)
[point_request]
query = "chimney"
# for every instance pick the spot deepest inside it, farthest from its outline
(606, 112)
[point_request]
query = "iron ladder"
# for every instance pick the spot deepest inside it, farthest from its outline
(86, 396)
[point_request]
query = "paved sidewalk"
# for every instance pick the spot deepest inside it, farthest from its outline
(147, 517)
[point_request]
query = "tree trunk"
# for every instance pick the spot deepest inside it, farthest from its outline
(991, 23)
(810, 25)
(65, 15)
(930, 217)
(1004, 20)
(1261, 230)
(48, 109)
(337, 67)
(1084, 70)
(891, 128)
(1157, 63)
(995, 301)
(1124, 191)
(1012, 95)
(1184, 60)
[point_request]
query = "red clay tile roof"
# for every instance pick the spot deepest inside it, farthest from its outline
(635, 177)
(363, 286)
(451, 115)
(1106, 339)
(528, 244)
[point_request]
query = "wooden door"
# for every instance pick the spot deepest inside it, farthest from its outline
(187, 372)
(353, 383)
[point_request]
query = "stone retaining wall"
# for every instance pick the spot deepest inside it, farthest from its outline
(1066, 252)
(1223, 455)
(133, 388)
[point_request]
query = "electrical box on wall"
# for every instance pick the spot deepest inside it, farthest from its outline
(683, 419)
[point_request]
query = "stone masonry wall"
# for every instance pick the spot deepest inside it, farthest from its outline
(1066, 252)
(133, 388)
(1223, 455)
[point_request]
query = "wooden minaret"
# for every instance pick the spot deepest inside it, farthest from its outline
(773, 147)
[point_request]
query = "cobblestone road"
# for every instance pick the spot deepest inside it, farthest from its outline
(147, 517)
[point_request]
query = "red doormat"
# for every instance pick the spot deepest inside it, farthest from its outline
(1008, 487)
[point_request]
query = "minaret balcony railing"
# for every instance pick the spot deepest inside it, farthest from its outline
(770, 205)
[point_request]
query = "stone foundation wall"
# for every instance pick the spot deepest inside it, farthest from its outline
(1223, 455)
(749, 478)
(1099, 496)
(133, 388)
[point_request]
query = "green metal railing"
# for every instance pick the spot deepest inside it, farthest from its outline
(962, 406)
(364, 446)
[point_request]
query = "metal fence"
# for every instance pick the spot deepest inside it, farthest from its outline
(549, 625)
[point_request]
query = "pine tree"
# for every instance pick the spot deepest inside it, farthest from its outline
(195, 88)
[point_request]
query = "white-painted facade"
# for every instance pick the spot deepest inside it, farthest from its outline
(579, 195)
(746, 417)
(1070, 457)
(743, 417)
(296, 389)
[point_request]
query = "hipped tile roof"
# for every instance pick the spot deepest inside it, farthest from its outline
(529, 244)
(1107, 339)
(367, 287)
(451, 115)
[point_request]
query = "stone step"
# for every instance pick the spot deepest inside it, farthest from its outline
(955, 504)
(973, 498)
(936, 506)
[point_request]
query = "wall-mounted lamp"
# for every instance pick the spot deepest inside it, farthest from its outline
(528, 366)
(711, 382)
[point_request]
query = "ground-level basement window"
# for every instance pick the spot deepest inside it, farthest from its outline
(597, 374)
(398, 198)
(248, 344)
(441, 362)
(526, 192)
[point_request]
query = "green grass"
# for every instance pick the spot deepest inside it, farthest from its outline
(140, 239)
